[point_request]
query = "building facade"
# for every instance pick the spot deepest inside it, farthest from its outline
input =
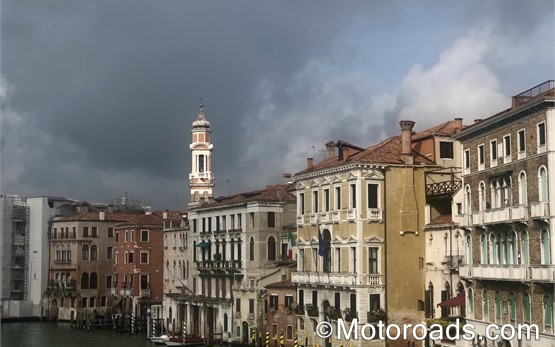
(281, 322)
(360, 222)
(508, 184)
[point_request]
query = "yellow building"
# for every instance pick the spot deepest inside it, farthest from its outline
(360, 219)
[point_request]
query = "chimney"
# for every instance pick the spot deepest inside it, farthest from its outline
(406, 141)
(345, 153)
(165, 215)
(286, 178)
(102, 215)
(309, 163)
(330, 149)
(458, 124)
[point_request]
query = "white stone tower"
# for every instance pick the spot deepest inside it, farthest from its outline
(201, 179)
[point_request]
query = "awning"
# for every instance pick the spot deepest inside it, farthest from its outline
(457, 301)
(203, 244)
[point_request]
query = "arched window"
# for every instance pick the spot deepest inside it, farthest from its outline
(94, 281)
(85, 252)
(64, 253)
(525, 254)
(57, 278)
(239, 248)
(502, 248)
(484, 249)
(84, 280)
(512, 307)
(511, 248)
(485, 306)
(527, 308)
(470, 302)
(251, 249)
(482, 196)
(494, 248)
(542, 184)
(68, 251)
(226, 328)
(326, 252)
(494, 194)
(271, 248)
(498, 309)
(546, 247)
(58, 253)
(94, 252)
(467, 200)
(522, 189)
(68, 280)
(506, 199)
(547, 312)
(469, 259)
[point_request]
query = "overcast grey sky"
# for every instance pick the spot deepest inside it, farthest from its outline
(98, 97)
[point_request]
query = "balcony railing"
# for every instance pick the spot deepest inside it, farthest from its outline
(125, 292)
(374, 215)
(496, 215)
(336, 216)
(339, 279)
(351, 214)
(313, 218)
(537, 273)
(539, 209)
(300, 220)
(324, 217)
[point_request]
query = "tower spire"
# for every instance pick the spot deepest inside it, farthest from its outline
(201, 179)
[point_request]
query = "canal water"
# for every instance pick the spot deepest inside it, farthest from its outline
(37, 334)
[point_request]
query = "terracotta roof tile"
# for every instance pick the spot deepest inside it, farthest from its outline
(442, 219)
(281, 284)
(143, 219)
(277, 193)
(95, 216)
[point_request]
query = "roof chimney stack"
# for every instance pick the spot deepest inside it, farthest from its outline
(330, 149)
(406, 141)
(286, 178)
(345, 153)
(309, 163)
(458, 125)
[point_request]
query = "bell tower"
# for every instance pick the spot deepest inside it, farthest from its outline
(201, 179)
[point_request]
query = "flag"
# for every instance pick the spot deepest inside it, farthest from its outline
(290, 244)
(322, 251)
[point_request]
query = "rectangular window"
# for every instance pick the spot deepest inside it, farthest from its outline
(144, 235)
(315, 298)
(110, 232)
(467, 160)
(132, 232)
(337, 198)
(288, 301)
(109, 252)
(301, 203)
(353, 303)
(445, 150)
(289, 332)
(251, 306)
(337, 301)
(353, 259)
(85, 231)
(373, 260)
(372, 195)
(301, 297)
(126, 239)
(251, 219)
(481, 156)
(117, 236)
(353, 191)
(238, 305)
(326, 200)
(117, 258)
(271, 219)
(507, 148)
(315, 201)
(74, 233)
(131, 257)
(108, 282)
(493, 152)
(144, 281)
(239, 221)
(144, 258)
(541, 134)
(94, 231)
(374, 302)
(521, 141)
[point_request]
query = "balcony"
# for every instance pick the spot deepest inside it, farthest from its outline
(313, 218)
(374, 215)
(536, 273)
(336, 279)
(145, 293)
(496, 215)
(300, 220)
(178, 283)
(539, 209)
(351, 214)
(324, 217)
(112, 291)
(336, 216)
(236, 230)
(125, 292)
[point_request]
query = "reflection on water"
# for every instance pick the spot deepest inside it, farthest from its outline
(37, 334)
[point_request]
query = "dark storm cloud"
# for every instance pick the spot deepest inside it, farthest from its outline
(103, 93)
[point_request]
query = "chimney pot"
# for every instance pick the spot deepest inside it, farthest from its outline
(309, 163)
(406, 136)
(458, 125)
(345, 151)
(330, 149)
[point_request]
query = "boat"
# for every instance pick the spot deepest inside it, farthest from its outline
(160, 340)
(176, 341)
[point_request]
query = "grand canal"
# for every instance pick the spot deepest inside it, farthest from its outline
(36, 334)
